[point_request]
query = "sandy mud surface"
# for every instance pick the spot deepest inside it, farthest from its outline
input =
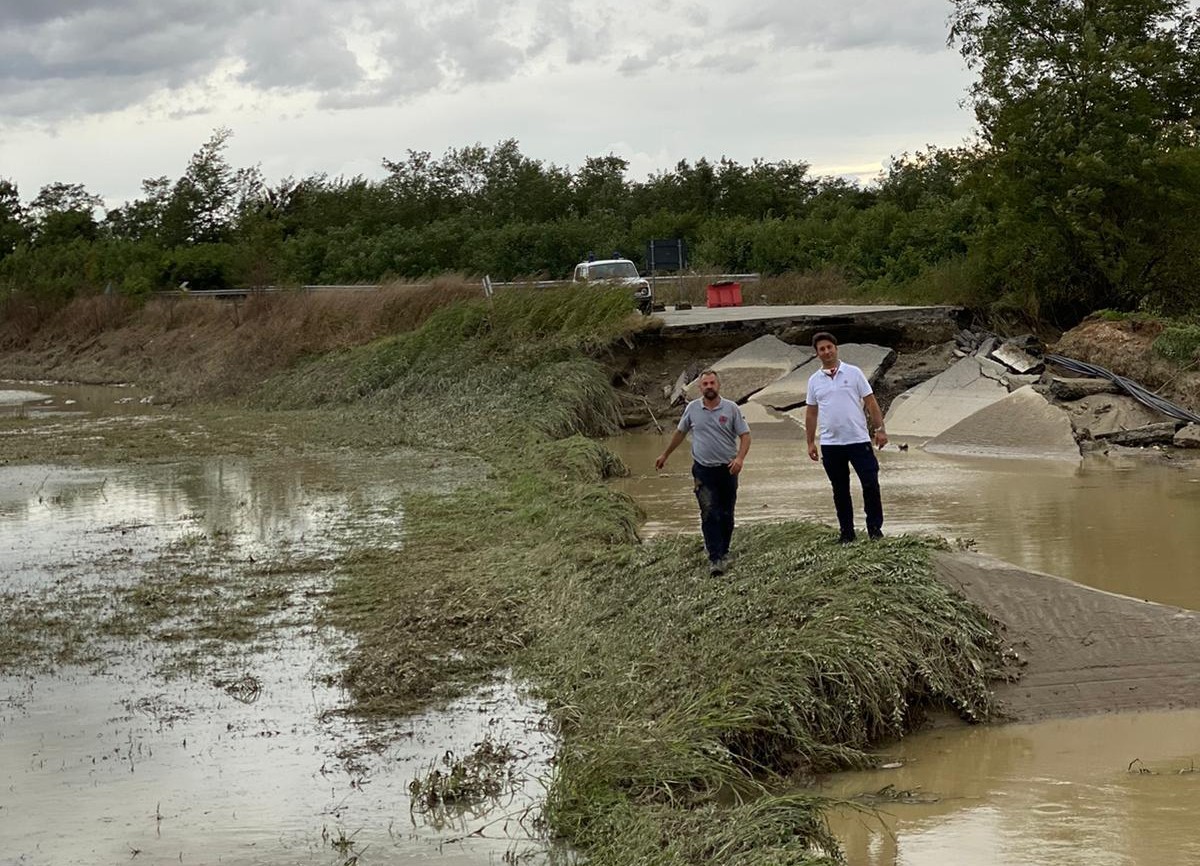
(1084, 650)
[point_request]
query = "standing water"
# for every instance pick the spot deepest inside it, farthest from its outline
(157, 751)
(1119, 790)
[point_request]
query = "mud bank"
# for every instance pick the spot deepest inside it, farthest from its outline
(1083, 650)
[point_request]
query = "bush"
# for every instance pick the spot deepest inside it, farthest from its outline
(1179, 343)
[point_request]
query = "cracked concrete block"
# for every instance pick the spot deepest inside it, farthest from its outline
(1023, 424)
(1188, 437)
(752, 367)
(792, 390)
(1016, 359)
(1101, 414)
(934, 406)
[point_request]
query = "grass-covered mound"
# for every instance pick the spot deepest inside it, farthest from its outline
(677, 691)
(489, 376)
(684, 702)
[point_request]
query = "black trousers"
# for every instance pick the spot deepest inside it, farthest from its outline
(837, 460)
(716, 491)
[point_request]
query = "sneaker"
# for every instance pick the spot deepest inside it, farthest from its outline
(847, 539)
(717, 567)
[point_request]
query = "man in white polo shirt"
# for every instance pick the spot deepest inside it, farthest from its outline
(837, 395)
(720, 441)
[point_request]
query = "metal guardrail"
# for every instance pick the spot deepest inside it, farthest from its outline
(368, 287)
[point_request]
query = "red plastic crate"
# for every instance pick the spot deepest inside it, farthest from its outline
(725, 294)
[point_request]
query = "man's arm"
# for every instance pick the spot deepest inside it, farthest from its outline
(675, 442)
(875, 414)
(735, 465)
(810, 430)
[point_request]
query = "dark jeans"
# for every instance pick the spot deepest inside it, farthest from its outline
(837, 460)
(716, 491)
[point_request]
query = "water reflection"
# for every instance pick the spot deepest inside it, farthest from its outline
(1124, 526)
(119, 765)
(44, 399)
(55, 518)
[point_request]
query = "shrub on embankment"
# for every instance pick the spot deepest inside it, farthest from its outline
(684, 703)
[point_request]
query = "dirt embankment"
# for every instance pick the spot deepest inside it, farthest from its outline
(1126, 347)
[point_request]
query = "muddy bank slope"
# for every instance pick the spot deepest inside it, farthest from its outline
(1085, 650)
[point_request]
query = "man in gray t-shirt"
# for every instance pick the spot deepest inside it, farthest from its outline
(720, 441)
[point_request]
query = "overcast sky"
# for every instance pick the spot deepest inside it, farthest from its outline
(107, 94)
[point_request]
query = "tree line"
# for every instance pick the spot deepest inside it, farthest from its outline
(1078, 193)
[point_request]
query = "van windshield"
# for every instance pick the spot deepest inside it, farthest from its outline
(612, 271)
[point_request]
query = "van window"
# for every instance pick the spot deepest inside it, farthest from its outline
(614, 271)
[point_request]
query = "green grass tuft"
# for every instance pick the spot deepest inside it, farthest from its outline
(1179, 343)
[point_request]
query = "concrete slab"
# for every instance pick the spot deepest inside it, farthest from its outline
(1104, 414)
(752, 367)
(1016, 358)
(936, 405)
(792, 390)
(674, 318)
(881, 323)
(1024, 424)
(766, 423)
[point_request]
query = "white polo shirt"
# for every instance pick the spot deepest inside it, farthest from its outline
(839, 402)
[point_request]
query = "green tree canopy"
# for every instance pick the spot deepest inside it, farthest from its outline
(1084, 107)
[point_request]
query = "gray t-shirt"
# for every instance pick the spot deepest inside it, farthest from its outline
(714, 431)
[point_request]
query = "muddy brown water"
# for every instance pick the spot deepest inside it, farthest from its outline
(116, 762)
(1126, 525)
(1101, 791)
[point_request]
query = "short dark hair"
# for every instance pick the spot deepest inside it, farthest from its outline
(823, 336)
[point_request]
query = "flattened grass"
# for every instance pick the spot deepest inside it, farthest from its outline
(676, 690)
(685, 704)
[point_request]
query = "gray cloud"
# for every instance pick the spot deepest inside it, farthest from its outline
(835, 25)
(66, 57)
(586, 31)
(296, 48)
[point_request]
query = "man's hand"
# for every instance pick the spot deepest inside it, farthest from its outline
(661, 461)
(881, 438)
(813, 453)
(735, 465)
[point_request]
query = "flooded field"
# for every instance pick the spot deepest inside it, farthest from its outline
(172, 745)
(1105, 791)
(218, 734)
